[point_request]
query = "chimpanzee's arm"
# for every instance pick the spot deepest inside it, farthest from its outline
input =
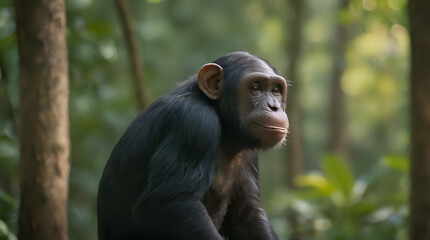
(179, 172)
(246, 218)
(181, 220)
(170, 207)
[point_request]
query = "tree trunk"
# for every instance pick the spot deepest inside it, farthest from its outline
(294, 144)
(44, 126)
(134, 53)
(419, 18)
(337, 125)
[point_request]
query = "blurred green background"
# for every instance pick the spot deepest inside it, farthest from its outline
(361, 195)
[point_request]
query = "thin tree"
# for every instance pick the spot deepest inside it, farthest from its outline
(294, 145)
(134, 52)
(337, 125)
(44, 124)
(419, 18)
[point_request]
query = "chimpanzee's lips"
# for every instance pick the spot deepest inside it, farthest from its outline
(281, 130)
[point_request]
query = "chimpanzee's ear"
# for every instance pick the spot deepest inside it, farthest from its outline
(210, 79)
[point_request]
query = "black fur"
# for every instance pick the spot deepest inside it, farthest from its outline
(157, 181)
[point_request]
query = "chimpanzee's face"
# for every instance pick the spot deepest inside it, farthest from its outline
(252, 102)
(262, 101)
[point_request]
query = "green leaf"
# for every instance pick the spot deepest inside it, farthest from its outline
(3, 230)
(397, 162)
(315, 181)
(338, 174)
(360, 209)
(344, 17)
(310, 194)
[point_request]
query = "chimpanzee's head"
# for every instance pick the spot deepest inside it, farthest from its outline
(250, 97)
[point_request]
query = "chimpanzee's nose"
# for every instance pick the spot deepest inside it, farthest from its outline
(273, 104)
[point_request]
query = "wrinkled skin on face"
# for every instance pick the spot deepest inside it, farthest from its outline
(251, 102)
(262, 102)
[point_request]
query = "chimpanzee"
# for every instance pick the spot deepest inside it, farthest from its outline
(186, 167)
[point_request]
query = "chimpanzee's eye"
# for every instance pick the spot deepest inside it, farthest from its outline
(276, 91)
(255, 88)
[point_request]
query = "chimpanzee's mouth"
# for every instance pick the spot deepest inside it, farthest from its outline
(273, 128)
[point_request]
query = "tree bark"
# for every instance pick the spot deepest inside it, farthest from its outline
(294, 144)
(337, 136)
(134, 52)
(44, 124)
(419, 18)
